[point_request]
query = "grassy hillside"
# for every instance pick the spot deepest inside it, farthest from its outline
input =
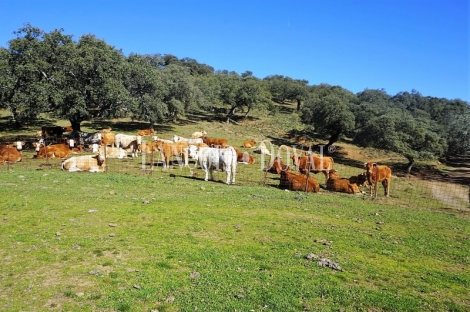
(135, 240)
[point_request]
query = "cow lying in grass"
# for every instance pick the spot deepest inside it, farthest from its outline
(298, 182)
(91, 163)
(337, 184)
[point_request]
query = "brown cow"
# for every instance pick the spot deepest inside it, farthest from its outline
(277, 166)
(53, 151)
(377, 174)
(106, 130)
(107, 139)
(245, 157)
(168, 150)
(214, 142)
(146, 132)
(315, 163)
(296, 182)
(338, 184)
(249, 144)
(11, 153)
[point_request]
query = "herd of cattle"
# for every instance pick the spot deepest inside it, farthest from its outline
(208, 153)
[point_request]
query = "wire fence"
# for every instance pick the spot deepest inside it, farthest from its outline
(428, 187)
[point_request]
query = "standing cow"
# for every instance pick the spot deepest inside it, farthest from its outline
(210, 159)
(377, 174)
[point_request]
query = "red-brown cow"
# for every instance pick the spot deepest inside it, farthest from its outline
(249, 144)
(145, 132)
(52, 151)
(214, 142)
(315, 163)
(377, 174)
(168, 150)
(337, 184)
(277, 166)
(298, 182)
(11, 153)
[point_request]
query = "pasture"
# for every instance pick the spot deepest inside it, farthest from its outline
(135, 239)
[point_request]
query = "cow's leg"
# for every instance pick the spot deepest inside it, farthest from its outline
(386, 186)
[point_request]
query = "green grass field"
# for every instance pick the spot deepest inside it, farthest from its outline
(133, 240)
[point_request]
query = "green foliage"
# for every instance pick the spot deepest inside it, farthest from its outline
(328, 110)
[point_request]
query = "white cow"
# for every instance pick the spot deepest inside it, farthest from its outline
(128, 142)
(110, 152)
(177, 138)
(209, 158)
(91, 163)
(262, 149)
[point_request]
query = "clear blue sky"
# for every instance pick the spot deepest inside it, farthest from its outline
(397, 45)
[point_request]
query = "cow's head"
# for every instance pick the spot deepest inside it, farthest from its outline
(369, 166)
(333, 174)
(192, 151)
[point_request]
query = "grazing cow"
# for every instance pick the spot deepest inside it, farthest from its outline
(359, 179)
(145, 132)
(377, 174)
(91, 163)
(298, 182)
(214, 142)
(198, 134)
(249, 144)
(262, 149)
(315, 163)
(210, 159)
(277, 166)
(108, 139)
(11, 153)
(168, 150)
(56, 131)
(52, 151)
(177, 138)
(128, 142)
(337, 184)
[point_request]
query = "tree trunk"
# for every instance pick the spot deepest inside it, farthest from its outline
(298, 105)
(75, 125)
(333, 139)
(410, 164)
(247, 112)
(230, 114)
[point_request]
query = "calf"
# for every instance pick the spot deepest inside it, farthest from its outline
(91, 163)
(210, 159)
(245, 158)
(298, 182)
(313, 163)
(377, 174)
(168, 150)
(337, 184)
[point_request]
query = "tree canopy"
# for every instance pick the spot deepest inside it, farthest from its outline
(82, 80)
